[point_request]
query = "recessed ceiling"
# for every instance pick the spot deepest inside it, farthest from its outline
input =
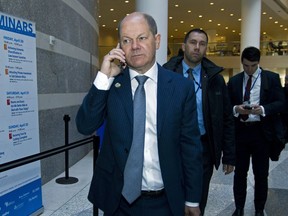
(222, 16)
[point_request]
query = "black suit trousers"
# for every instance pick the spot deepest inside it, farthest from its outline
(251, 143)
(208, 167)
(144, 206)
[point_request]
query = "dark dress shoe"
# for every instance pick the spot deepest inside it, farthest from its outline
(238, 212)
(259, 213)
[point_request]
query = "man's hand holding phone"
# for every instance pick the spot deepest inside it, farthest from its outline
(243, 109)
(246, 109)
(113, 62)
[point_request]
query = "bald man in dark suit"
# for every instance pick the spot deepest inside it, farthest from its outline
(172, 166)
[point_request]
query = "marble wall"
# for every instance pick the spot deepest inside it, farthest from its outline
(67, 57)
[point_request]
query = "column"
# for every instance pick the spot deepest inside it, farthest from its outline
(159, 11)
(251, 22)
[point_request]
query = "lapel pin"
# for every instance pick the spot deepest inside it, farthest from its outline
(117, 85)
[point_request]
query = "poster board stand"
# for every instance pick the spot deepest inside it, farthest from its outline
(20, 188)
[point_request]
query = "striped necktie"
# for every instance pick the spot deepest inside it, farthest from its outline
(134, 165)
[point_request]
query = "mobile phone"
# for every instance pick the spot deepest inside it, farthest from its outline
(122, 65)
(248, 107)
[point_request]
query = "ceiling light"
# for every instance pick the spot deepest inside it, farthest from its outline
(276, 22)
(176, 30)
(239, 19)
(264, 33)
(218, 24)
(233, 31)
(191, 16)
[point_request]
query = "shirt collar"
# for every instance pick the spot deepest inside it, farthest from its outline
(196, 69)
(152, 73)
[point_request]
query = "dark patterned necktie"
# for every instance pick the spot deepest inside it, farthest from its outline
(134, 165)
(198, 85)
(190, 74)
(247, 95)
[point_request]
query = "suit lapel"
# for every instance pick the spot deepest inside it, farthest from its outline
(264, 86)
(165, 91)
(122, 85)
(240, 87)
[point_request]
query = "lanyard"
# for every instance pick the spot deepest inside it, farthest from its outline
(199, 86)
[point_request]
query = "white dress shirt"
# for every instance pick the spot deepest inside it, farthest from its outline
(254, 94)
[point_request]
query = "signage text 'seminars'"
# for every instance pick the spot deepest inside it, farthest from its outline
(7, 22)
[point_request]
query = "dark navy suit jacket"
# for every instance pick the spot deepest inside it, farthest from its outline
(180, 151)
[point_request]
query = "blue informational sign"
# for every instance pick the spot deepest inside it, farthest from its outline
(20, 188)
(23, 201)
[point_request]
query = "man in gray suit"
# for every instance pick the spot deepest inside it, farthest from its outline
(172, 165)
